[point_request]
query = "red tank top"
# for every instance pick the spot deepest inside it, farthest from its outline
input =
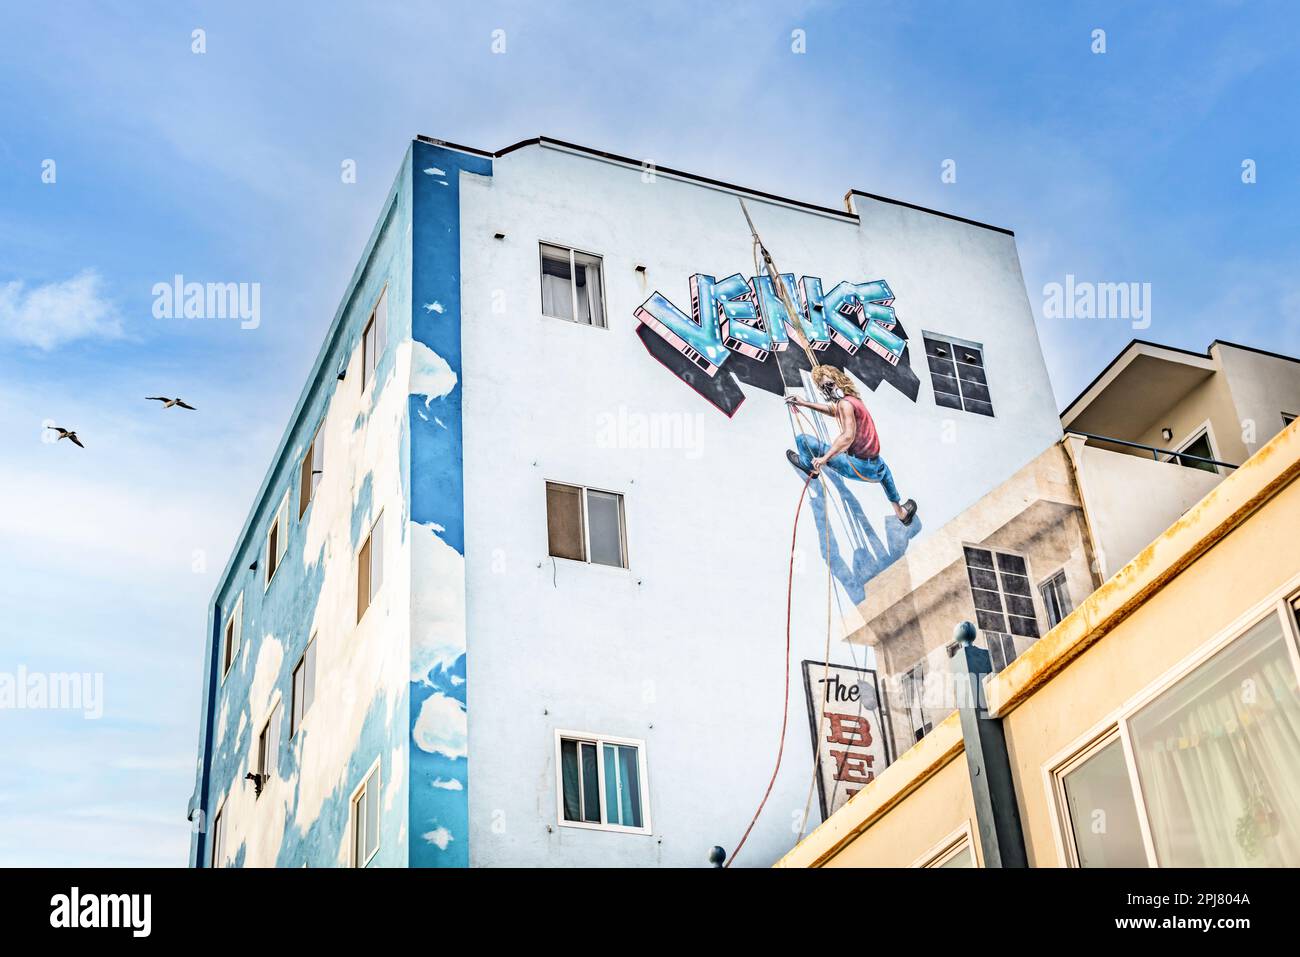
(866, 442)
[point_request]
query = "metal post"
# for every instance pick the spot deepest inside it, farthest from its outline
(992, 785)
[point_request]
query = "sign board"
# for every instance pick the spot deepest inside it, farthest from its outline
(844, 711)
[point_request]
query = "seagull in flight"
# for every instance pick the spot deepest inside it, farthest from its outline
(168, 403)
(66, 434)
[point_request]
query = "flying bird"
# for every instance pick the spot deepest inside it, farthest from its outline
(168, 403)
(66, 434)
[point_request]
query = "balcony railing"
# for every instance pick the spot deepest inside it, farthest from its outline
(1172, 455)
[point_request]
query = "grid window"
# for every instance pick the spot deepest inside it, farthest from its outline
(231, 634)
(585, 525)
(572, 286)
(957, 374)
(374, 339)
(304, 687)
(365, 820)
(602, 783)
(999, 584)
(370, 567)
(312, 468)
(1056, 599)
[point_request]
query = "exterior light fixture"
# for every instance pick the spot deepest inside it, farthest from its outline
(1167, 434)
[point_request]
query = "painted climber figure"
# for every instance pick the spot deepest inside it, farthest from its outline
(855, 453)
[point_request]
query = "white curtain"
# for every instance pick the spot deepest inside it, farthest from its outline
(1218, 757)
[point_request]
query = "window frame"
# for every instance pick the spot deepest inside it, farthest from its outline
(381, 339)
(1204, 429)
(296, 723)
(600, 740)
(953, 343)
(374, 771)
(954, 843)
(1288, 418)
(267, 750)
(573, 284)
(1065, 591)
(307, 472)
(367, 548)
(1116, 723)
(235, 619)
(216, 835)
(280, 528)
(586, 524)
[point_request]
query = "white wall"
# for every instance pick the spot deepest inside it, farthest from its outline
(685, 648)
(1130, 500)
(1263, 387)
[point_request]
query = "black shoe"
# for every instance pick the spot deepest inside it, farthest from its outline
(793, 458)
(909, 508)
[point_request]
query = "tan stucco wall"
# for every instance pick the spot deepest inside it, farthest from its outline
(1209, 401)
(933, 812)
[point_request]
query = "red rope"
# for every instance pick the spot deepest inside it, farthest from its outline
(785, 711)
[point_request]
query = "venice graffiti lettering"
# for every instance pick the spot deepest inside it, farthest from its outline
(739, 331)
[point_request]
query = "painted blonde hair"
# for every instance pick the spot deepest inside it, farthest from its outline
(822, 375)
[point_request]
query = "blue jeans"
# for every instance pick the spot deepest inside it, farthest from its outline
(872, 470)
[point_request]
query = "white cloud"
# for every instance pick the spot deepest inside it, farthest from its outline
(431, 377)
(441, 727)
(57, 312)
(448, 784)
(439, 836)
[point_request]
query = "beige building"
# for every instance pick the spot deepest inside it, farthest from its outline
(1146, 441)
(1157, 724)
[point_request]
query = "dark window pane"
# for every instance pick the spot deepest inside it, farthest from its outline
(1018, 605)
(974, 392)
(564, 521)
(1011, 563)
(569, 777)
(590, 784)
(987, 600)
(979, 408)
(1025, 627)
(988, 621)
(947, 401)
(979, 557)
(982, 578)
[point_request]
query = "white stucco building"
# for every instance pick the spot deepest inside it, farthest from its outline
(519, 593)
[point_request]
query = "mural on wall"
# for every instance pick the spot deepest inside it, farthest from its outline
(739, 331)
(848, 738)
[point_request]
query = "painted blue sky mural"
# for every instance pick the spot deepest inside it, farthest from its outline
(225, 166)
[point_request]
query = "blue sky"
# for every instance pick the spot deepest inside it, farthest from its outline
(225, 166)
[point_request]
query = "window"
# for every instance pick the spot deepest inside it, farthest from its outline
(1001, 648)
(602, 783)
(953, 851)
(304, 686)
(1056, 599)
(1215, 758)
(957, 374)
(1199, 446)
(218, 840)
(999, 583)
(374, 339)
(268, 746)
(370, 567)
(585, 525)
(571, 286)
(230, 635)
(277, 539)
(1103, 821)
(1287, 418)
(1205, 768)
(914, 697)
(309, 473)
(365, 819)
